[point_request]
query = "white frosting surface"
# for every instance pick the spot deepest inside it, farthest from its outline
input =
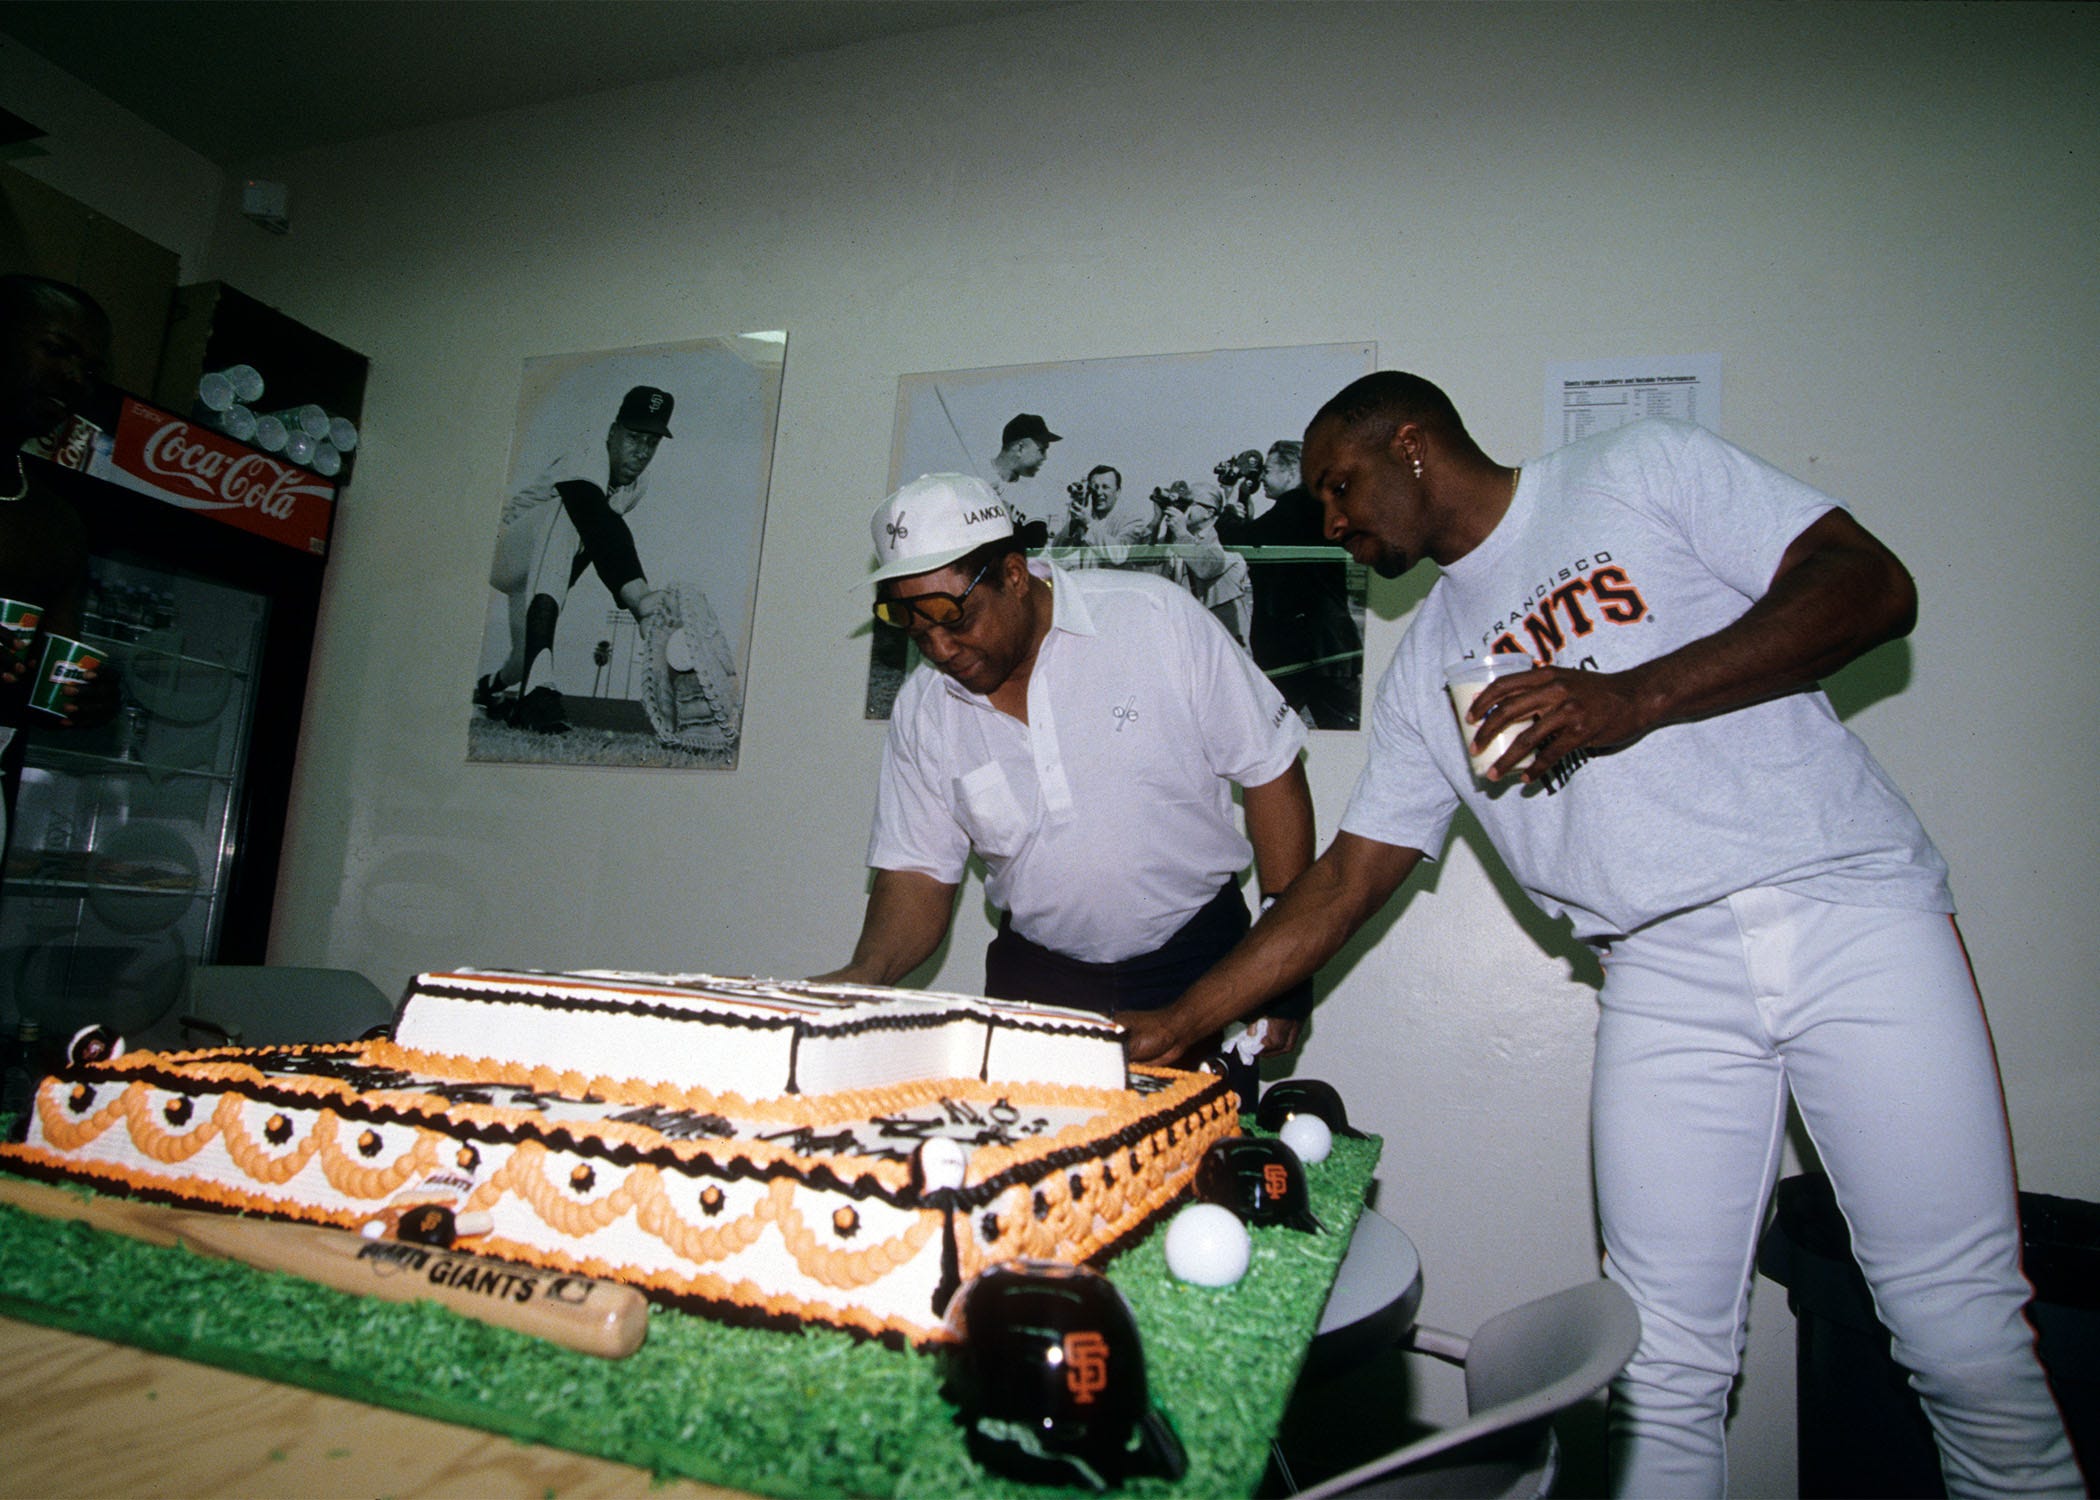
(755, 1037)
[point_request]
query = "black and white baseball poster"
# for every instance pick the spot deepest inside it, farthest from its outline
(624, 574)
(1182, 464)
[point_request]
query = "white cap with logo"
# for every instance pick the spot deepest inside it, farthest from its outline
(932, 521)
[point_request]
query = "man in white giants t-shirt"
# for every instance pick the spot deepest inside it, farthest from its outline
(1081, 734)
(1773, 920)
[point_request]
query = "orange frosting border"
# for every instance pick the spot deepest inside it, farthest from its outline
(1115, 1109)
(1071, 1214)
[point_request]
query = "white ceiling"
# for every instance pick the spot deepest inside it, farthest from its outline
(236, 80)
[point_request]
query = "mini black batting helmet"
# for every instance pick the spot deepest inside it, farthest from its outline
(1259, 1179)
(1048, 1374)
(1303, 1096)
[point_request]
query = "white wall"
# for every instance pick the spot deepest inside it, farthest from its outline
(1882, 217)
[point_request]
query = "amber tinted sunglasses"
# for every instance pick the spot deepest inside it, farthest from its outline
(934, 609)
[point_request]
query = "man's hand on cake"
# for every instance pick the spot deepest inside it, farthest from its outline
(1151, 1035)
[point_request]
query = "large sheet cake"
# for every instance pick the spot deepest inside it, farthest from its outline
(775, 1152)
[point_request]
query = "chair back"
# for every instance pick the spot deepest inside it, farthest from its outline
(268, 1005)
(1521, 1367)
(1546, 1355)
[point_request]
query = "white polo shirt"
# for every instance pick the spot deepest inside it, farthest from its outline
(1105, 822)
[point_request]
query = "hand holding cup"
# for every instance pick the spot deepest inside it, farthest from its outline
(68, 669)
(1467, 680)
(18, 622)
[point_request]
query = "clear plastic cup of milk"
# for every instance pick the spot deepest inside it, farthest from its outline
(1465, 680)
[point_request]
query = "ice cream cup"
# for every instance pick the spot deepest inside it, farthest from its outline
(65, 661)
(1466, 680)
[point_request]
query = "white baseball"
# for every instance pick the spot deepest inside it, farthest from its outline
(1307, 1135)
(1208, 1245)
(678, 652)
(943, 1161)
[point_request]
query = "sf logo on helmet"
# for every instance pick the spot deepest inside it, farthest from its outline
(1086, 1366)
(1276, 1179)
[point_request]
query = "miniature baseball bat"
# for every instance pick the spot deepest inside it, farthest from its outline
(594, 1317)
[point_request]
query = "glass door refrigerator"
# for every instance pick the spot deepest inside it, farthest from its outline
(149, 844)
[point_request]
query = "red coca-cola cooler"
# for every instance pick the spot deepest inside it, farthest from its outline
(150, 844)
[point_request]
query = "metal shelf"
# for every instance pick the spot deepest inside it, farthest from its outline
(146, 643)
(30, 884)
(90, 763)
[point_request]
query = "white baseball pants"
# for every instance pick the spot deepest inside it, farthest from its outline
(1870, 1019)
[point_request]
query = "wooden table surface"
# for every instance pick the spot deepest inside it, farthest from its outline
(83, 1418)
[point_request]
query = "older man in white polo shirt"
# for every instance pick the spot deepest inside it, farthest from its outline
(1080, 733)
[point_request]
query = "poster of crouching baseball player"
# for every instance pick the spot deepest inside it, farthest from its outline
(625, 570)
(1185, 465)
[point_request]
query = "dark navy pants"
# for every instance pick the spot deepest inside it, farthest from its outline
(1017, 969)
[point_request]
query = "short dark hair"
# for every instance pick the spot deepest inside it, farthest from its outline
(1106, 469)
(21, 294)
(1387, 398)
(1290, 448)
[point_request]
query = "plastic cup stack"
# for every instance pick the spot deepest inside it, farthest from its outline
(343, 433)
(269, 433)
(215, 390)
(238, 423)
(309, 419)
(327, 460)
(298, 444)
(219, 390)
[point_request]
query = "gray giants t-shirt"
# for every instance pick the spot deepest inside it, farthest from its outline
(1616, 550)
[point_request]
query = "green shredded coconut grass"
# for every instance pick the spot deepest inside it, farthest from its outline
(815, 1413)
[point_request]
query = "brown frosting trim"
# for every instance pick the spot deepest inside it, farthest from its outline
(1075, 1197)
(1120, 1116)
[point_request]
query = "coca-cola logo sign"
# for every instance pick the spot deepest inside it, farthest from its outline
(190, 466)
(227, 477)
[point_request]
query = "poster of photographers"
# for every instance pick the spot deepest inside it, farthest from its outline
(625, 568)
(1185, 465)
